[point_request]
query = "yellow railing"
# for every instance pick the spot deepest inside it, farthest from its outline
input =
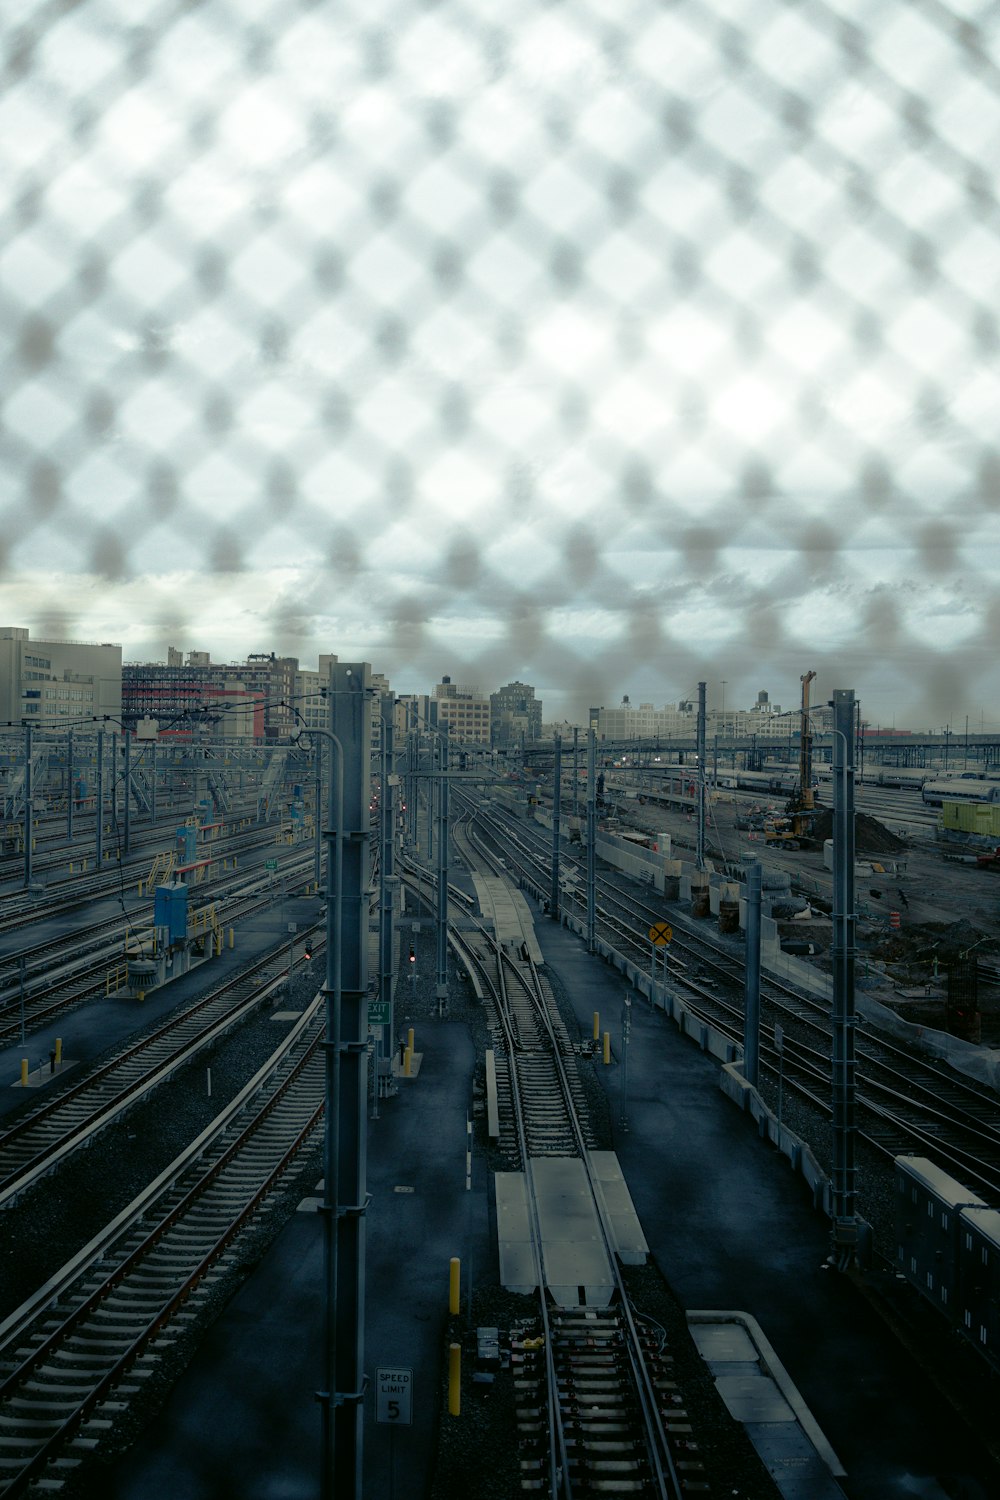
(162, 866)
(205, 923)
(117, 979)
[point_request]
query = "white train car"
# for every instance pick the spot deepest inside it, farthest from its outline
(959, 790)
(907, 777)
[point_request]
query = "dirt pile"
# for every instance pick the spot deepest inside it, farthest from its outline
(923, 942)
(870, 836)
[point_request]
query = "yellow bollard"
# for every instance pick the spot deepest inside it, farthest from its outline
(24, 1072)
(454, 1380)
(607, 1046)
(409, 1038)
(58, 1051)
(597, 1025)
(408, 1062)
(454, 1285)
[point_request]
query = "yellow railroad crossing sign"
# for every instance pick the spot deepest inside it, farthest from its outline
(660, 933)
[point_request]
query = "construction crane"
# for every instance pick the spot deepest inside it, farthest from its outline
(806, 802)
(795, 829)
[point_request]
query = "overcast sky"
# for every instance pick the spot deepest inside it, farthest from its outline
(611, 346)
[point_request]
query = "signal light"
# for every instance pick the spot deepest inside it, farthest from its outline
(413, 955)
(307, 952)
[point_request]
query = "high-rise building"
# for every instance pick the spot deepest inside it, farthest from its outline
(465, 710)
(266, 697)
(515, 716)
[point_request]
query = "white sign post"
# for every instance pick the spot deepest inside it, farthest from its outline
(394, 1395)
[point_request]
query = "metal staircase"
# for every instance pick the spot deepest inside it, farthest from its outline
(219, 791)
(139, 787)
(270, 787)
(13, 797)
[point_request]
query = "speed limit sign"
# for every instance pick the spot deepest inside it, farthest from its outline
(394, 1395)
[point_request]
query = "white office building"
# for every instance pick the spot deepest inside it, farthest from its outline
(58, 684)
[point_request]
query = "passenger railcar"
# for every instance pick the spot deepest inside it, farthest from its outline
(948, 1249)
(906, 777)
(959, 790)
(979, 1279)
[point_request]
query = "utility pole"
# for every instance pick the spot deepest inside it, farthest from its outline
(576, 772)
(69, 785)
(591, 842)
(700, 854)
(387, 888)
(100, 800)
(432, 756)
(556, 816)
(441, 991)
(751, 1009)
(127, 739)
(345, 1199)
(28, 792)
(317, 818)
(844, 1235)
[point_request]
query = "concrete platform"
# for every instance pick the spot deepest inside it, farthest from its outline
(575, 1265)
(752, 1382)
(504, 906)
(630, 1242)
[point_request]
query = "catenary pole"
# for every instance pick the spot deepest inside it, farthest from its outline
(845, 1223)
(100, 800)
(556, 819)
(576, 771)
(387, 887)
(28, 793)
(591, 842)
(700, 853)
(441, 992)
(351, 708)
(127, 745)
(751, 1013)
(331, 1057)
(317, 818)
(69, 785)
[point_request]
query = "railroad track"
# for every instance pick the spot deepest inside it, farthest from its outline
(592, 1367)
(907, 1103)
(70, 1366)
(39, 1141)
(61, 989)
(75, 890)
(591, 1403)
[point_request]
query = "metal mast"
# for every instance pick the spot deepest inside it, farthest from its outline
(556, 816)
(591, 842)
(700, 855)
(751, 1012)
(441, 991)
(387, 886)
(345, 1197)
(845, 1224)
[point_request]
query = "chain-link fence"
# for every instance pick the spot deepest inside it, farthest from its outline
(608, 345)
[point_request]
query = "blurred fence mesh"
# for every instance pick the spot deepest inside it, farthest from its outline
(549, 339)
